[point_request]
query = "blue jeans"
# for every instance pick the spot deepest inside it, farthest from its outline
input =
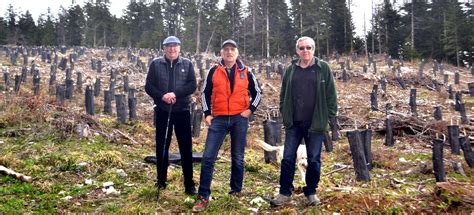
(313, 141)
(221, 125)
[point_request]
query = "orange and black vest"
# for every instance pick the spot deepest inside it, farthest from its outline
(226, 101)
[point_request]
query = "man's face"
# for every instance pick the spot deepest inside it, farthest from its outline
(229, 53)
(172, 51)
(305, 50)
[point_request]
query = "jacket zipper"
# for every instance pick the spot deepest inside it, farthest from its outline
(228, 97)
(174, 77)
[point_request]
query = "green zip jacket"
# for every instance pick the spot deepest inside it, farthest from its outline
(325, 102)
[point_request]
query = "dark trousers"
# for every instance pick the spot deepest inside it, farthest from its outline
(181, 122)
(313, 141)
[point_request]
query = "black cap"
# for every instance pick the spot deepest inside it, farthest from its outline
(229, 42)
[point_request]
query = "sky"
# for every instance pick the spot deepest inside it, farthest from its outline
(38, 7)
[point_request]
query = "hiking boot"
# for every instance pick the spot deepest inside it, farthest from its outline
(313, 200)
(190, 191)
(280, 200)
(160, 185)
(201, 204)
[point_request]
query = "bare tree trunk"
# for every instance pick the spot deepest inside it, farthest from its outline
(327, 44)
(457, 46)
(350, 32)
(317, 38)
(373, 29)
(209, 41)
(412, 26)
(366, 46)
(386, 36)
(95, 36)
(105, 43)
(198, 33)
(345, 34)
(254, 6)
(301, 20)
(268, 31)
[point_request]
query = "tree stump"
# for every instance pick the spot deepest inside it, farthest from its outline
(89, 100)
(438, 163)
(467, 150)
(358, 157)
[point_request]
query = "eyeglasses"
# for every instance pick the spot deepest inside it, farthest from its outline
(306, 47)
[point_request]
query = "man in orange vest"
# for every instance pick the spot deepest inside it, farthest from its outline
(230, 94)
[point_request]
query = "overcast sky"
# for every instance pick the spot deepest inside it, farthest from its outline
(37, 7)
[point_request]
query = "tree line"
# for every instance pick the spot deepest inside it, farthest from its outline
(436, 29)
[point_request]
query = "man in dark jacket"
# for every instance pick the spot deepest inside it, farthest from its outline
(170, 82)
(307, 100)
(230, 94)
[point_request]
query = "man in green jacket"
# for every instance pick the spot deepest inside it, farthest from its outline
(307, 100)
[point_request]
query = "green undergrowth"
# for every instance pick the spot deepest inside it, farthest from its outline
(69, 172)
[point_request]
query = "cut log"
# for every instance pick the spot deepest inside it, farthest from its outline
(16, 175)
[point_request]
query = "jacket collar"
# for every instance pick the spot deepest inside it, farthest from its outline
(163, 60)
(316, 61)
(240, 65)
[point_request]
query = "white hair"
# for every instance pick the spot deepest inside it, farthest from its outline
(311, 42)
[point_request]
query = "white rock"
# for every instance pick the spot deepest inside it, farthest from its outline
(121, 173)
(67, 198)
(62, 192)
(111, 191)
(258, 201)
(403, 160)
(108, 184)
(129, 184)
(189, 200)
(1, 142)
(81, 164)
(254, 210)
(89, 181)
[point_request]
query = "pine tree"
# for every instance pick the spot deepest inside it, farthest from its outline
(173, 16)
(12, 25)
(392, 31)
(281, 31)
(74, 26)
(27, 27)
(457, 35)
(46, 29)
(3, 31)
(340, 25)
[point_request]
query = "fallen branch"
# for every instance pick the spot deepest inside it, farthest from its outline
(337, 170)
(16, 175)
(126, 136)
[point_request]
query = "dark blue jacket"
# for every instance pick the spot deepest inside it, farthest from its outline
(157, 82)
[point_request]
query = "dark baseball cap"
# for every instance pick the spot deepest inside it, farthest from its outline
(171, 40)
(233, 43)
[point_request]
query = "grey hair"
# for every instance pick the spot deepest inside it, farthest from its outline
(311, 42)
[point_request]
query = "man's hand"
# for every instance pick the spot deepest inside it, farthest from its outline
(169, 98)
(246, 113)
(209, 120)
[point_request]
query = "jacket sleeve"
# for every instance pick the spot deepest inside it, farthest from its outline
(190, 85)
(151, 83)
(255, 91)
(283, 87)
(206, 92)
(331, 97)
